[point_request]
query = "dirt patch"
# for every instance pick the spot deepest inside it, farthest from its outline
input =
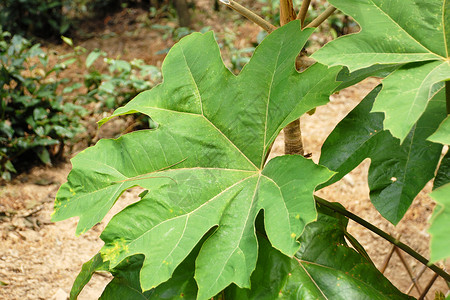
(40, 259)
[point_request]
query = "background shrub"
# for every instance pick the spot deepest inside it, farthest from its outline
(35, 122)
(42, 18)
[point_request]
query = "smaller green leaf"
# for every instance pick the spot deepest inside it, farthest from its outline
(442, 134)
(439, 229)
(443, 173)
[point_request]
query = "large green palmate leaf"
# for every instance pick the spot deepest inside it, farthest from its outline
(418, 40)
(397, 172)
(204, 165)
(439, 229)
(325, 267)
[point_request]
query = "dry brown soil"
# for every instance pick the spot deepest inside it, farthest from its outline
(40, 259)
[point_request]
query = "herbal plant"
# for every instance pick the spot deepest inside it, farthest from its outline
(219, 220)
(33, 116)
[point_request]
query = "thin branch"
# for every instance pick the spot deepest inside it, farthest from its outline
(303, 11)
(416, 278)
(387, 259)
(408, 269)
(322, 17)
(428, 287)
(249, 15)
(384, 235)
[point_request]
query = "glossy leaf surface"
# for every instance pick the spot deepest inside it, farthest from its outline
(389, 36)
(397, 172)
(325, 267)
(204, 165)
(439, 229)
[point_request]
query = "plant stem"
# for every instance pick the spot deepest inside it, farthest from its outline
(303, 11)
(292, 132)
(322, 17)
(249, 15)
(447, 96)
(384, 235)
(293, 138)
(287, 12)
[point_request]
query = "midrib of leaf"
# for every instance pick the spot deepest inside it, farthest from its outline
(447, 46)
(398, 25)
(141, 295)
(416, 98)
(198, 96)
(105, 165)
(267, 105)
(407, 159)
(284, 202)
(310, 277)
(233, 144)
(179, 240)
(99, 214)
(301, 261)
(242, 232)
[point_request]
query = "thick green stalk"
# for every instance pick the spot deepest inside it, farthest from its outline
(384, 235)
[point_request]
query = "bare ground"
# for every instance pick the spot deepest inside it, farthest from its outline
(40, 259)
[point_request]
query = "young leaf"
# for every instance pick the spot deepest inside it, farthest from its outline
(324, 268)
(388, 36)
(204, 165)
(439, 229)
(397, 172)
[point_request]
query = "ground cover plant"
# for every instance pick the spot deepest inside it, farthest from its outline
(219, 220)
